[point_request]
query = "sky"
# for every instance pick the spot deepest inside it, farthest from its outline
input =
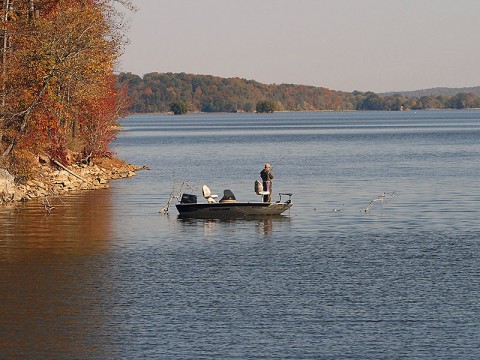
(365, 45)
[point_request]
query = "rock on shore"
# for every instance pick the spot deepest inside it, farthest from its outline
(54, 180)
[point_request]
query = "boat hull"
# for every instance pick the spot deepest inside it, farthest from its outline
(232, 210)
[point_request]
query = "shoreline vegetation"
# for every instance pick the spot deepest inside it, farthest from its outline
(59, 103)
(53, 179)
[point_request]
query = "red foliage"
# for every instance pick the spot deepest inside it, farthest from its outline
(58, 78)
(97, 124)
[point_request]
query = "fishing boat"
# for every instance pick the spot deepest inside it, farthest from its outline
(229, 207)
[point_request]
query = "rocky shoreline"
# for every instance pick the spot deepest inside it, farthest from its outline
(55, 179)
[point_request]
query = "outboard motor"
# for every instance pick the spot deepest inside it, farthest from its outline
(188, 199)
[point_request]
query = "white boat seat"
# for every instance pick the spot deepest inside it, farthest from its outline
(259, 189)
(207, 194)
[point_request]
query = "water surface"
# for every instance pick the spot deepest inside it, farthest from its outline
(106, 276)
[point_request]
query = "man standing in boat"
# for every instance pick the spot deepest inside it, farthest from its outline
(267, 175)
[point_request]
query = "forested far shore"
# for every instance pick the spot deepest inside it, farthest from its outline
(165, 92)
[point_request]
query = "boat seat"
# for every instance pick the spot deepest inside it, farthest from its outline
(228, 197)
(207, 194)
(259, 189)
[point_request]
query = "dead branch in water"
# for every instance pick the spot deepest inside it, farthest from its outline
(380, 199)
(68, 170)
(175, 195)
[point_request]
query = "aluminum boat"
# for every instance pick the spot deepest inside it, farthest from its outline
(229, 207)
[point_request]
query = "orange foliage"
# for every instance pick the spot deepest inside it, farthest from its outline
(58, 71)
(97, 123)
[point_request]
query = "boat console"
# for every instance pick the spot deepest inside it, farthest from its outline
(228, 197)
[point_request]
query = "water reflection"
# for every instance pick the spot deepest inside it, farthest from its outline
(79, 223)
(54, 289)
(264, 225)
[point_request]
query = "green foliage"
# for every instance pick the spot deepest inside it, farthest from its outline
(371, 102)
(179, 107)
(265, 107)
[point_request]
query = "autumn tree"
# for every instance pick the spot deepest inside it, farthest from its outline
(463, 101)
(57, 68)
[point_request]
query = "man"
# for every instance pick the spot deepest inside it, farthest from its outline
(267, 177)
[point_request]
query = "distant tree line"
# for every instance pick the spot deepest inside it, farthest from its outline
(180, 92)
(437, 91)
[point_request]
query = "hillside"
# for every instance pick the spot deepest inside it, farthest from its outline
(156, 92)
(439, 91)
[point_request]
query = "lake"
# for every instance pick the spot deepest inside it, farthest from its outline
(378, 257)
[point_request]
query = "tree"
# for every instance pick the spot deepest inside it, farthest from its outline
(179, 108)
(372, 101)
(97, 126)
(59, 70)
(463, 101)
(265, 107)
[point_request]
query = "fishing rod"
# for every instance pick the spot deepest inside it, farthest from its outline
(278, 161)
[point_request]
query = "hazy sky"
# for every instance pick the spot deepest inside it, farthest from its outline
(378, 45)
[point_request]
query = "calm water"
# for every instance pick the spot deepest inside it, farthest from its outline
(106, 276)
